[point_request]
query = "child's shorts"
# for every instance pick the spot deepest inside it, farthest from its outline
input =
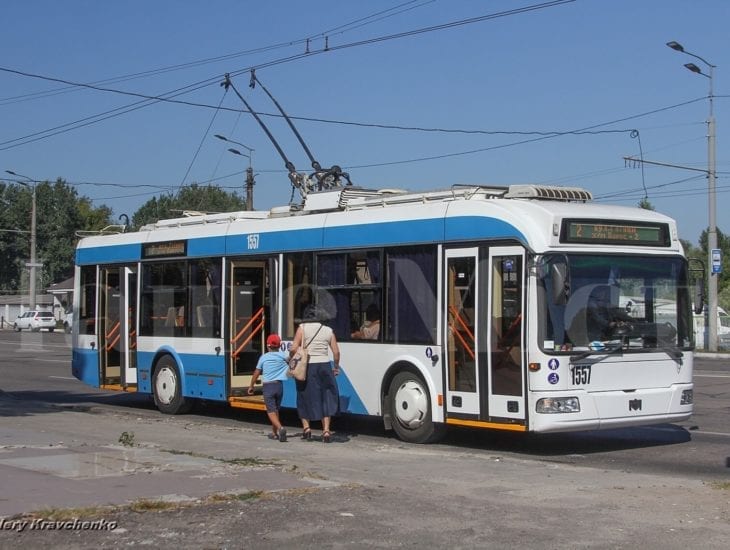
(273, 392)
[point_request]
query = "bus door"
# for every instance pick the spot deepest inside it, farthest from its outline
(506, 334)
(462, 326)
(247, 323)
(117, 333)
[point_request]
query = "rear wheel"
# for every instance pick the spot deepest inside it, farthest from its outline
(410, 406)
(167, 388)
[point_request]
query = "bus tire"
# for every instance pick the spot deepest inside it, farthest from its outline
(410, 406)
(167, 388)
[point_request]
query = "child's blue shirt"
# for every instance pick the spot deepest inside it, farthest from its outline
(273, 365)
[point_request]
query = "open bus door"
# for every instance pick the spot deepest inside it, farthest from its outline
(117, 332)
(485, 338)
(247, 322)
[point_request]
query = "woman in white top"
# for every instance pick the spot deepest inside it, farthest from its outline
(317, 396)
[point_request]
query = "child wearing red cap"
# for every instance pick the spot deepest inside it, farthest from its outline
(273, 365)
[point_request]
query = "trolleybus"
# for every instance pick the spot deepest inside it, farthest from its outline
(500, 307)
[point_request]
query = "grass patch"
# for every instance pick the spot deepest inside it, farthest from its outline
(246, 461)
(721, 485)
(127, 439)
(227, 497)
(145, 505)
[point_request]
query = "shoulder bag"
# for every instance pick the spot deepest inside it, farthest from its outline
(298, 362)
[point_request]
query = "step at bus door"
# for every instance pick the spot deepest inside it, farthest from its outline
(462, 330)
(248, 320)
(506, 334)
(117, 333)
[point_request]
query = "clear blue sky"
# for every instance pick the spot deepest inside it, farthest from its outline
(578, 65)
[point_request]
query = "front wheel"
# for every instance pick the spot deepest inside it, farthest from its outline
(16, 327)
(167, 388)
(410, 406)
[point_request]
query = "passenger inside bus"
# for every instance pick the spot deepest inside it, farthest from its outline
(370, 330)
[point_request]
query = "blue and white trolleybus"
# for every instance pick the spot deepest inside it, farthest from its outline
(521, 308)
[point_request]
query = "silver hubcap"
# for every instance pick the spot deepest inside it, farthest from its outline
(411, 404)
(165, 385)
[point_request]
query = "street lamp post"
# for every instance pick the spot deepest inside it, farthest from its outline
(712, 276)
(249, 170)
(33, 264)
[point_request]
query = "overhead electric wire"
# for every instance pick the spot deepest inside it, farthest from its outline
(103, 116)
(179, 66)
(202, 140)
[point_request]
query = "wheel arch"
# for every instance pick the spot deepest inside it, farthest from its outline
(162, 352)
(405, 365)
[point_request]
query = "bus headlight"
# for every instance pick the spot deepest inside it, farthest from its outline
(551, 405)
(687, 397)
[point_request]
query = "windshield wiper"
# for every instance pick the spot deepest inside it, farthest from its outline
(673, 352)
(588, 353)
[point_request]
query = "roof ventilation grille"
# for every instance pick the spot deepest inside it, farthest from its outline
(546, 192)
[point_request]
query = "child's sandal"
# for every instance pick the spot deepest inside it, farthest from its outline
(326, 436)
(307, 434)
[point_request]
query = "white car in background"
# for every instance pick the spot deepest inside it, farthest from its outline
(35, 320)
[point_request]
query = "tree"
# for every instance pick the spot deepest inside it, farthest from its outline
(60, 213)
(192, 197)
(645, 204)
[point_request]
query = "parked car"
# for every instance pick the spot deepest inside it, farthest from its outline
(35, 320)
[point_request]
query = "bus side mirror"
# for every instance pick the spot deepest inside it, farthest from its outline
(560, 282)
(697, 274)
(699, 296)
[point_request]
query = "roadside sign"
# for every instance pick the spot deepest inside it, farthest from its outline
(716, 260)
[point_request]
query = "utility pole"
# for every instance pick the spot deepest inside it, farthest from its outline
(713, 253)
(249, 188)
(249, 171)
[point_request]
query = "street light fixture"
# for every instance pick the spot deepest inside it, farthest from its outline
(33, 264)
(713, 266)
(249, 170)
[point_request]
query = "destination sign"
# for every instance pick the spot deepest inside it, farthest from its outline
(167, 248)
(615, 232)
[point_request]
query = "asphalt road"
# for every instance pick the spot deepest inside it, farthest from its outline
(665, 485)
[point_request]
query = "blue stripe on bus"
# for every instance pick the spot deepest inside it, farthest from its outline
(207, 246)
(361, 235)
(107, 254)
(478, 227)
(275, 241)
(350, 402)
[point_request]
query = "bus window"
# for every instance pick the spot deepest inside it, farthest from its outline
(298, 293)
(164, 296)
(87, 300)
(205, 298)
(410, 314)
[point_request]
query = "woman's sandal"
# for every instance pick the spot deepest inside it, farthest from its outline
(307, 434)
(326, 436)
